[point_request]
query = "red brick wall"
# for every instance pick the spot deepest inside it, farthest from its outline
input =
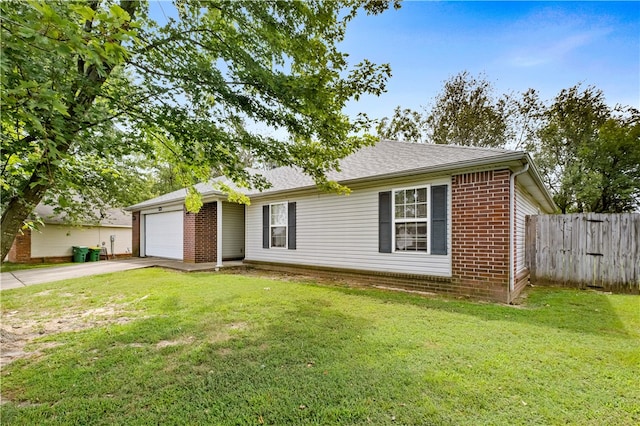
(480, 234)
(135, 234)
(20, 251)
(189, 231)
(200, 236)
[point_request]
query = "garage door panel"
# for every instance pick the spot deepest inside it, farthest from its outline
(164, 235)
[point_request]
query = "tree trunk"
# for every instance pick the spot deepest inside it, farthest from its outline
(21, 206)
(18, 209)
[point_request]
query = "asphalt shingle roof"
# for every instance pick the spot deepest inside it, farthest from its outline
(112, 217)
(383, 159)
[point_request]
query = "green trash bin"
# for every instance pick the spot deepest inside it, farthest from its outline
(94, 254)
(80, 253)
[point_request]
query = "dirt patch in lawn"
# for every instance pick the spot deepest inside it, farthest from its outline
(178, 342)
(22, 329)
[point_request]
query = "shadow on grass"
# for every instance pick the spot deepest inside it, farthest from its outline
(565, 309)
(306, 365)
(295, 356)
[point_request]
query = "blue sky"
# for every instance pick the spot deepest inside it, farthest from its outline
(547, 46)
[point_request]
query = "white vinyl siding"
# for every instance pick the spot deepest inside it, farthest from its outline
(163, 234)
(232, 230)
(342, 231)
(57, 240)
(524, 206)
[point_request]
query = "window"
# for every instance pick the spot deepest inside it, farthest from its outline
(278, 225)
(411, 219)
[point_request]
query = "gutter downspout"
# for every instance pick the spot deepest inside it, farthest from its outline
(219, 234)
(512, 243)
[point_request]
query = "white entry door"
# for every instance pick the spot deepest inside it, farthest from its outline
(164, 234)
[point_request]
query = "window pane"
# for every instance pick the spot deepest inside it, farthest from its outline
(399, 197)
(401, 236)
(411, 214)
(411, 196)
(278, 236)
(279, 214)
(410, 211)
(421, 243)
(422, 195)
(422, 211)
(411, 236)
(399, 212)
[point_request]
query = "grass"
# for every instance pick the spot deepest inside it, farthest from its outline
(10, 267)
(157, 347)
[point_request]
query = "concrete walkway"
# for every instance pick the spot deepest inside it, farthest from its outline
(27, 277)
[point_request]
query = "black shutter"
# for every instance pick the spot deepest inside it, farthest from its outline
(265, 226)
(384, 222)
(439, 219)
(291, 236)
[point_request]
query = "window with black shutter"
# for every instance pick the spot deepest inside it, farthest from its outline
(291, 236)
(265, 227)
(279, 225)
(384, 222)
(413, 220)
(439, 219)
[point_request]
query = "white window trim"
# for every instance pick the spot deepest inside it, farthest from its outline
(286, 225)
(427, 219)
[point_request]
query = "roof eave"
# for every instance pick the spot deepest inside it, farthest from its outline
(466, 164)
(533, 171)
(180, 200)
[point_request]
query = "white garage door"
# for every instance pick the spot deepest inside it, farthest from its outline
(164, 234)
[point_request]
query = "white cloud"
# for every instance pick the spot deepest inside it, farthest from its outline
(550, 36)
(542, 51)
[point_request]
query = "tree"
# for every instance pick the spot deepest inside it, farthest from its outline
(405, 125)
(465, 113)
(525, 114)
(571, 124)
(606, 173)
(101, 80)
(587, 153)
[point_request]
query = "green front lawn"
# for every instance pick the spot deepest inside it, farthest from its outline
(157, 347)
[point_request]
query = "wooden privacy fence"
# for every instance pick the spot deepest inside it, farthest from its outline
(587, 250)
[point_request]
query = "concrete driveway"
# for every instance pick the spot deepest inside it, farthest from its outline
(17, 279)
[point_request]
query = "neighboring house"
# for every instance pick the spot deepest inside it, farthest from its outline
(439, 218)
(53, 242)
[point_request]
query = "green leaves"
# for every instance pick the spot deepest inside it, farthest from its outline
(56, 59)
(571, 150)
(608, 180)
(84, 12)
(272, 65)
(587, 153)
(465, 113)
(88, 85)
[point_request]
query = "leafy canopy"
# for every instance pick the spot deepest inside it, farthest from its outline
(465, 113)
(587, 152)
(89, 88)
